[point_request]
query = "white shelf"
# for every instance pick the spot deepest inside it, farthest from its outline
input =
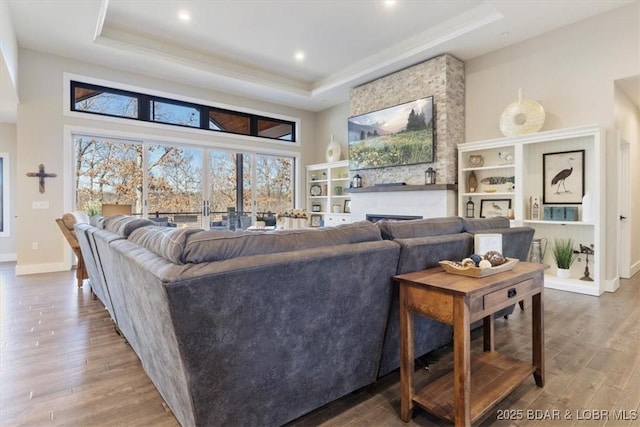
(486, 168)
(572, 284)
(337, 175)
(534, 221)
(485, 194)
(527, 170)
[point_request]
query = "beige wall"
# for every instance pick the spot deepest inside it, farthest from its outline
(571, 72)
(41, 132)
(332, 121)
(8, 140)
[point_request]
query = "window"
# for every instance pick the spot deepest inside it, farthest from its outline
(107, 171)
(97, 100)
(94, 99)
(175, 113)
(229, 122)
(174, 180)
(268, 128)
(187, 185)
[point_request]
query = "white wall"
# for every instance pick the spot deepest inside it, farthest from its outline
(571, 72)
(41, 125)
(8, 145)
(627, 118)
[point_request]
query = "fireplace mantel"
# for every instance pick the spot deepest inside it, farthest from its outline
(427, 201)
(388, 188)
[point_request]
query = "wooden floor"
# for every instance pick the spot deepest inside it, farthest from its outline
(62, 363)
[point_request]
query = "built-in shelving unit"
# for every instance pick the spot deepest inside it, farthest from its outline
(521, 157)
(327, 191)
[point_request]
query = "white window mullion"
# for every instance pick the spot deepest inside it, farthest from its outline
(145, 179)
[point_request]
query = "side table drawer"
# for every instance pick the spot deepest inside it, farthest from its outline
(511, 293)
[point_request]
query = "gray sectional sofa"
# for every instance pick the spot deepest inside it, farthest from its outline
(258, 328)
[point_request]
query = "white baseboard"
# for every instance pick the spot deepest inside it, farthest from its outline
(53, 267)
(612, 285)
(8, 257)
(635, 267)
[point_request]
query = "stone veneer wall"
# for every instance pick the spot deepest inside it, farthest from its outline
(441, 77)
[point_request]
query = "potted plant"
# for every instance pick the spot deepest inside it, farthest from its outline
(564, 256)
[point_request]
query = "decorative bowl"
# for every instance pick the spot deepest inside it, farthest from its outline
(455, 268)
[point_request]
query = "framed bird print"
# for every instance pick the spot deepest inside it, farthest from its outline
(490, 208)
(563, 177)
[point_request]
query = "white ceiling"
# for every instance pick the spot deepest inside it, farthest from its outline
(247, 47)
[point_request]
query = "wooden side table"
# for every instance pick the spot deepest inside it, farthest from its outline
(459, 301)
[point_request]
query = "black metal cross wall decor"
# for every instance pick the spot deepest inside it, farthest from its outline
(42, 175)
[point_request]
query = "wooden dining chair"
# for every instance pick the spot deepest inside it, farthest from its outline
(66, 224)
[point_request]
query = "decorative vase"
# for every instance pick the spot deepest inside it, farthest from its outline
(472, 184)
(563, 273)
(587, 208)
(522, 117)
(333, 151)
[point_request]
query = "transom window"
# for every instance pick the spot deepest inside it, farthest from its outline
(94, 99)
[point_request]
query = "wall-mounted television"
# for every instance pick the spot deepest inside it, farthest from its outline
(394, 136)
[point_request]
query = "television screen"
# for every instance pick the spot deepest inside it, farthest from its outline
(394, 136)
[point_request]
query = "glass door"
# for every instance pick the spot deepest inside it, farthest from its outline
(108, 171)
(174, 185)
(181, 185)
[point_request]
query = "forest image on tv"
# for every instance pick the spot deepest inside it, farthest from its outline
(394, 136)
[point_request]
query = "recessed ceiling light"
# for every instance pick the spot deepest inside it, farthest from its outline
(505, 34)
(299, 55)
(185, 16)
(389, 3)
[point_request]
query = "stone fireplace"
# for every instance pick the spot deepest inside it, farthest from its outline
(441, 77)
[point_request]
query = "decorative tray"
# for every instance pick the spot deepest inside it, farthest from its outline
(455, 268)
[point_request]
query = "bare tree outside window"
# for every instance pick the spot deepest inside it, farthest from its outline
(107, 171)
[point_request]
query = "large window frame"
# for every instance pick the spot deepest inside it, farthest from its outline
(71, 132)
(144, 109)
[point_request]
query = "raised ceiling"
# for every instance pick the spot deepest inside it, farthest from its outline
(247, 47)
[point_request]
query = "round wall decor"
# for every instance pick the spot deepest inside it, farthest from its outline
(315, 190)
(522, 117)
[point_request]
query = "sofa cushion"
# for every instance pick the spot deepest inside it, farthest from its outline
(167, 242)
(124, 224)
(420, 227)
(97, 221)
(476, 224)
(217, 245)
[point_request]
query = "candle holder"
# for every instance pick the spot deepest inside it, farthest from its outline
(470, 211)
